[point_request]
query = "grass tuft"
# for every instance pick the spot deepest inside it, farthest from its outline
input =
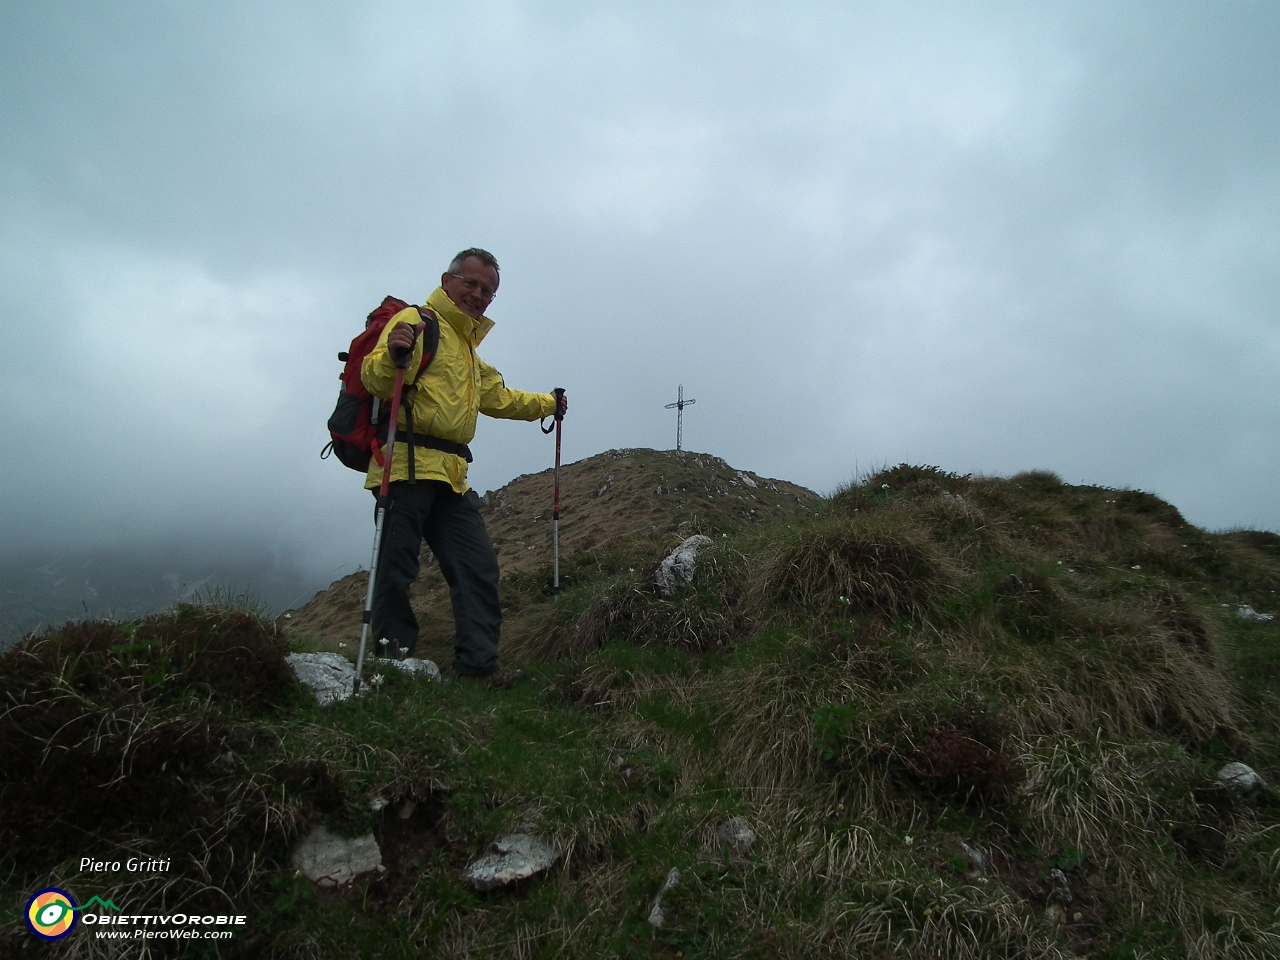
(879, 565)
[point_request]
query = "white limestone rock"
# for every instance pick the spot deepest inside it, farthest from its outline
(657, 916)
(1243, 780)
(414, 667)
(736, 834)
(517, 856)
(978, 864)
(1247, 612)
(330, 676)
(329, 860)
(676, 571)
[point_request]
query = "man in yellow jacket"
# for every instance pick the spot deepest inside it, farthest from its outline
(429, 494)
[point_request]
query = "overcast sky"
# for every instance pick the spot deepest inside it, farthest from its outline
(987, 237)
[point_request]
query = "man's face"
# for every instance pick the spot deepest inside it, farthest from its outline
(473, 287)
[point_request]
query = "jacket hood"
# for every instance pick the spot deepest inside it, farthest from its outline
(473, 331)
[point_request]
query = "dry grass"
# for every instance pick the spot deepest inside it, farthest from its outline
(965, 716)
(883, 564)
(148, 739)
(625, 607)
(1092, 682)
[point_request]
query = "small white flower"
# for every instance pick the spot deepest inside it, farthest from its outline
(884, 486)
(908, 840)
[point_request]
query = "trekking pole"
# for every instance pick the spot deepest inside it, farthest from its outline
(384, 496)
(558, 392)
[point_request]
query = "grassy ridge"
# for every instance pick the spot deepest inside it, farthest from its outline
(966, 717)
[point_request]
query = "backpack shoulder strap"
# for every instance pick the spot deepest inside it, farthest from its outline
(429, 331)
(430, 335)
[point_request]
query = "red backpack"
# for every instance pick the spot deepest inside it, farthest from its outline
(358, 425)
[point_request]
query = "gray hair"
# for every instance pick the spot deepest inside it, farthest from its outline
(484, 256)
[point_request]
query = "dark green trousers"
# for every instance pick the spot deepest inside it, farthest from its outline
(454, 530)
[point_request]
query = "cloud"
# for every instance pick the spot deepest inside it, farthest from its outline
(157, 397)
(991, 237)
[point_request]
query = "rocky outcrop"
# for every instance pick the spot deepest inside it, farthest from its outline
(1242, 780)
(1247, 612)
(413, 667)
(329, 860)
(515, 857)
(736, 834)
(677, 569)
(330, 676)
(657, 916)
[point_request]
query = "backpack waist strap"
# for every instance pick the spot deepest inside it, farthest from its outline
(435, 443)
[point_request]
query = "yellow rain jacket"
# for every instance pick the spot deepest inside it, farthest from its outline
(454, 390)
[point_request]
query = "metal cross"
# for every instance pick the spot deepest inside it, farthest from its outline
(679, 406)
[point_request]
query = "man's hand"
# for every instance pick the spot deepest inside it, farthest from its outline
(400, 339)
(562, 407)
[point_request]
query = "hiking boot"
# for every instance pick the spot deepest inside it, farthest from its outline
(499, 679)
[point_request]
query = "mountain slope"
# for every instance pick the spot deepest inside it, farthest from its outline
(604, 499)
(929, 716)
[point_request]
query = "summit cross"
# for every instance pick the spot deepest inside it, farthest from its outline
(679, 406)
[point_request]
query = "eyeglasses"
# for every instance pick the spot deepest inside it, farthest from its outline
(471, 285)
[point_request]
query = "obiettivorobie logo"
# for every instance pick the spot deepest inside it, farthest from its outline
(51, 913)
